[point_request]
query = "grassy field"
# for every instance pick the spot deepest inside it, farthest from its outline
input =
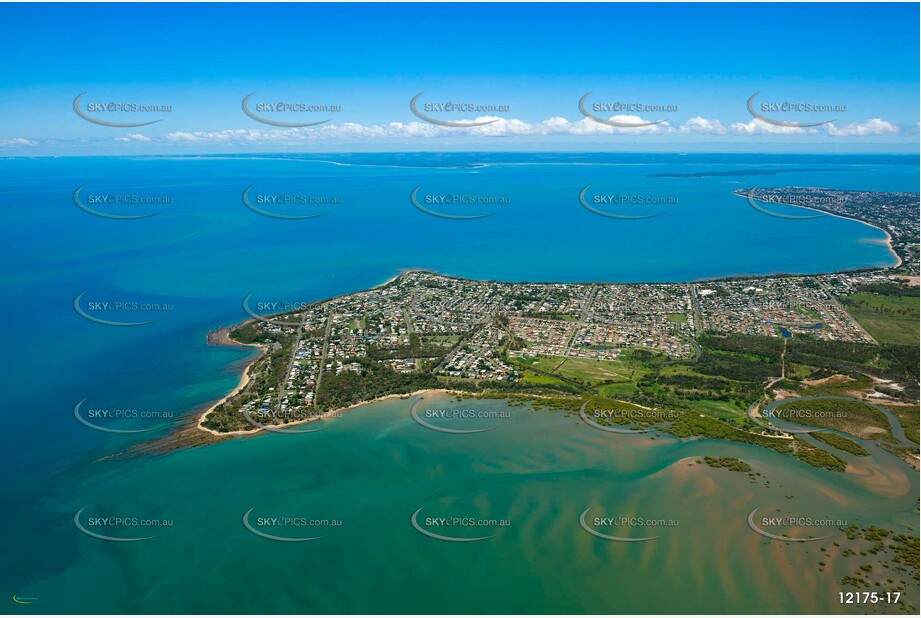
(797, 371)
(447, 340)
(595, 371)
(586, 370)
(617, 390)
(887, 328)
(677, 318)
(530, 377)
(717, 409)
(889, 319)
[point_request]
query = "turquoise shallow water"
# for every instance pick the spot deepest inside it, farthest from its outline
(205, 251)
(372, 469)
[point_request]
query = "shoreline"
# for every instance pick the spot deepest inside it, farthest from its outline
(222, 339)
(336, 412)
(221, 336)
(899, 260)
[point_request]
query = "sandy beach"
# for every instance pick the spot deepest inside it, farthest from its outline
(221, 337)
(330, 413)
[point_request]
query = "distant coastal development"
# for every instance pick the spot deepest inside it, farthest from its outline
(697, 359)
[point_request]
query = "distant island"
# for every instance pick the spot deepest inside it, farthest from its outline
(755, 172)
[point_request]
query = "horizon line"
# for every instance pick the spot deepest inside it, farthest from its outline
(461, 152)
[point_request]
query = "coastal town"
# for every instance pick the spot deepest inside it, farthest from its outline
(460, 332)
(710, 358)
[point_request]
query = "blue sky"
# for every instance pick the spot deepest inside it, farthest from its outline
(701, 61)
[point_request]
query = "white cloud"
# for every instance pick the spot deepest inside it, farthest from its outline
(17, 141)
(561, 126)
(133, 137)
(506, 127)
(229, 135)
(760, 127)
(703, 126)
(496, 127)
(874, 126)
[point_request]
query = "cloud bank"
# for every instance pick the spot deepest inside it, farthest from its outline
(497, 127)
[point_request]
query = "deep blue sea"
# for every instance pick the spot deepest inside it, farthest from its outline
(204, 250)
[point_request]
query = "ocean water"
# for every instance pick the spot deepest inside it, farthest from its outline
(203, 252)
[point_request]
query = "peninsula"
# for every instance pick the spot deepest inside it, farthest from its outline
(713, 355)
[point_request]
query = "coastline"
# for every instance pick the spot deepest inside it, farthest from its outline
(898, 258)
(892, 250)
(221, 336)
(330, 413)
